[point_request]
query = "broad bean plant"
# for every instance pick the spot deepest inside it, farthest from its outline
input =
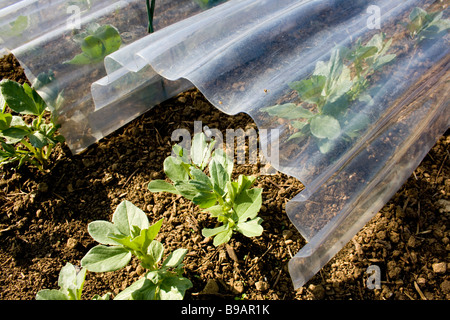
(327, 94)
(22, 141)
(235, 204)
(130, 234)
(96, 43)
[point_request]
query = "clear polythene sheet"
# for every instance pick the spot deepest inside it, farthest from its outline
(251, 56)
(351, 134)
(46, 35)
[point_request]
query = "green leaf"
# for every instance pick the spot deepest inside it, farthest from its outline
(227, 163)
(59, 138)
(219, 176)
(288, 111)
(80, 59)
(310, 90)
(205, 199)
(67, 277)
(124, 241)
(336, 108)
(418, 17)
(70, 282)
(18, 122)
(149, 234)
(97, 45)
(232, 188)
(367, 99)
(128, 215)
(200, 150)
(245, 182)
(174, 288)
(222, 237)
(174, 171)
(162, 186)
(324, 126)
(51, 294)
(20, 24)
(383, 61)
(215, 211)
(341, 85)
(104, 259)
(110, 38)
(297, 135)
(181, 153)
(14, 135)
(17, 98)
(201, 177)
(364, 52)
(206, 232)
(40, 103)
(156, 276)
(81, 276)
(377, 42)
(148, 291)
(186, 189)
(250, 228)
(8, 148)
(2, 103)
(324, 145)
(93, 47)
(299, 124)
(331, 70)
(174, 258)
(100, 231)
(39, 140)
(248, 203)
(5, 120)
(106, 296)
(356, 124)
(15, 28)
(141, 284)
(201, 186)
(155, 252)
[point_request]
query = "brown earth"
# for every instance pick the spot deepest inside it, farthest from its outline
(44, 217)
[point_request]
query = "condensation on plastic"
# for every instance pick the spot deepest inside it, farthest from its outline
(242, 55)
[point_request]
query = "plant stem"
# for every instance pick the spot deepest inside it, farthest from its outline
(37, 154)
(150, 13)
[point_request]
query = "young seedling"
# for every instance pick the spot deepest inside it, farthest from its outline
(129, 235)
(424, 25)
(234, 203)
(21, 141)
(70, 282)
(96, 43)
(326, 95)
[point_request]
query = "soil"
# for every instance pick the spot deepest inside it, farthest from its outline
(44, 217)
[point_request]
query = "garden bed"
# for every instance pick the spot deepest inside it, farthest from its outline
(43, 223)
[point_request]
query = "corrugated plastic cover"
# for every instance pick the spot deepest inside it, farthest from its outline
(243, 56)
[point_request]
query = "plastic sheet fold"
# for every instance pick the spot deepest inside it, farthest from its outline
(353, 94)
